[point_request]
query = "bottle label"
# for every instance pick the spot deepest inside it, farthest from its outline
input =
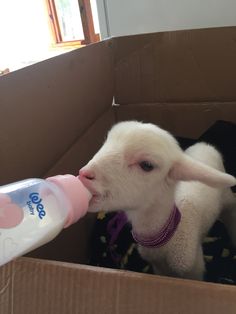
(35, 203)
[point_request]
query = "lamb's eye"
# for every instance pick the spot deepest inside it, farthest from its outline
(146, 166)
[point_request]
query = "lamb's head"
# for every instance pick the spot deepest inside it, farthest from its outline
(132, 163)
(136, 165)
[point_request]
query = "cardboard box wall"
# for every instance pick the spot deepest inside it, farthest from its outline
(54, 116)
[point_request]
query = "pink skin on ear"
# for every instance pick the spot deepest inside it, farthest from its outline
(11, 214)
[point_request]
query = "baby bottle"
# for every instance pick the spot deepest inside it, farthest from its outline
(34, 211)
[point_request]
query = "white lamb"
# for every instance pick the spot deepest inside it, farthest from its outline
(142, 170)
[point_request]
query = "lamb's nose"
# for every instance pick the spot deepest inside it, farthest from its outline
(88, 174)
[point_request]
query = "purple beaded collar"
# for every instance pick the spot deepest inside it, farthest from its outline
(164, 235)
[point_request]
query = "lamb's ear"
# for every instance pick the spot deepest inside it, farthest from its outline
(188, 169)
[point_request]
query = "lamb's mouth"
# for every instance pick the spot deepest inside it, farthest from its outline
(95, 199)
(98, 197)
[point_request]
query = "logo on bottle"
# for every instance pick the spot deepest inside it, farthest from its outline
(37, 201)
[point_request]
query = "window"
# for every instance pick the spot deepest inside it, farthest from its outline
(72, 21)
(30, 33)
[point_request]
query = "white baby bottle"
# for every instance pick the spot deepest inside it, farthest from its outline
(34, 211)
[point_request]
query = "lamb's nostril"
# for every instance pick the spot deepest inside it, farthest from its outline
(90, 177)
(88, 174)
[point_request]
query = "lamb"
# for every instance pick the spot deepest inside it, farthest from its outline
(170, 197)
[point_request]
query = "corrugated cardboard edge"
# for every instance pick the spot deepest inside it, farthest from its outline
(6, 288)
(47, 287)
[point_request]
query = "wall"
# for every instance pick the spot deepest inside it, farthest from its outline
(126, 17)
(24, 32)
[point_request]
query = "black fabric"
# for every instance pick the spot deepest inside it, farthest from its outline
(220, 256)
(123, 254)
(223, 136)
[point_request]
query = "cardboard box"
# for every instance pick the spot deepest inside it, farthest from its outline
(54, 116)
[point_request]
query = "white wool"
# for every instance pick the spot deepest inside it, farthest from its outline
(188, 179)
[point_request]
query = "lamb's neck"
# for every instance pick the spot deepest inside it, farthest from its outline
(151, 219)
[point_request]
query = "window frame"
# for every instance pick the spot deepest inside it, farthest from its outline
(87, 23)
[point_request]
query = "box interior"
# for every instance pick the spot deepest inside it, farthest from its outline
(144, 77)
(54, 115)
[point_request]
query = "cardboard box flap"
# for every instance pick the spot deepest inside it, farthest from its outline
(180, 66)
(78, 235)
(181, 119)
(90, 141)
(34, 286)
(71, 245)
(46, 106)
